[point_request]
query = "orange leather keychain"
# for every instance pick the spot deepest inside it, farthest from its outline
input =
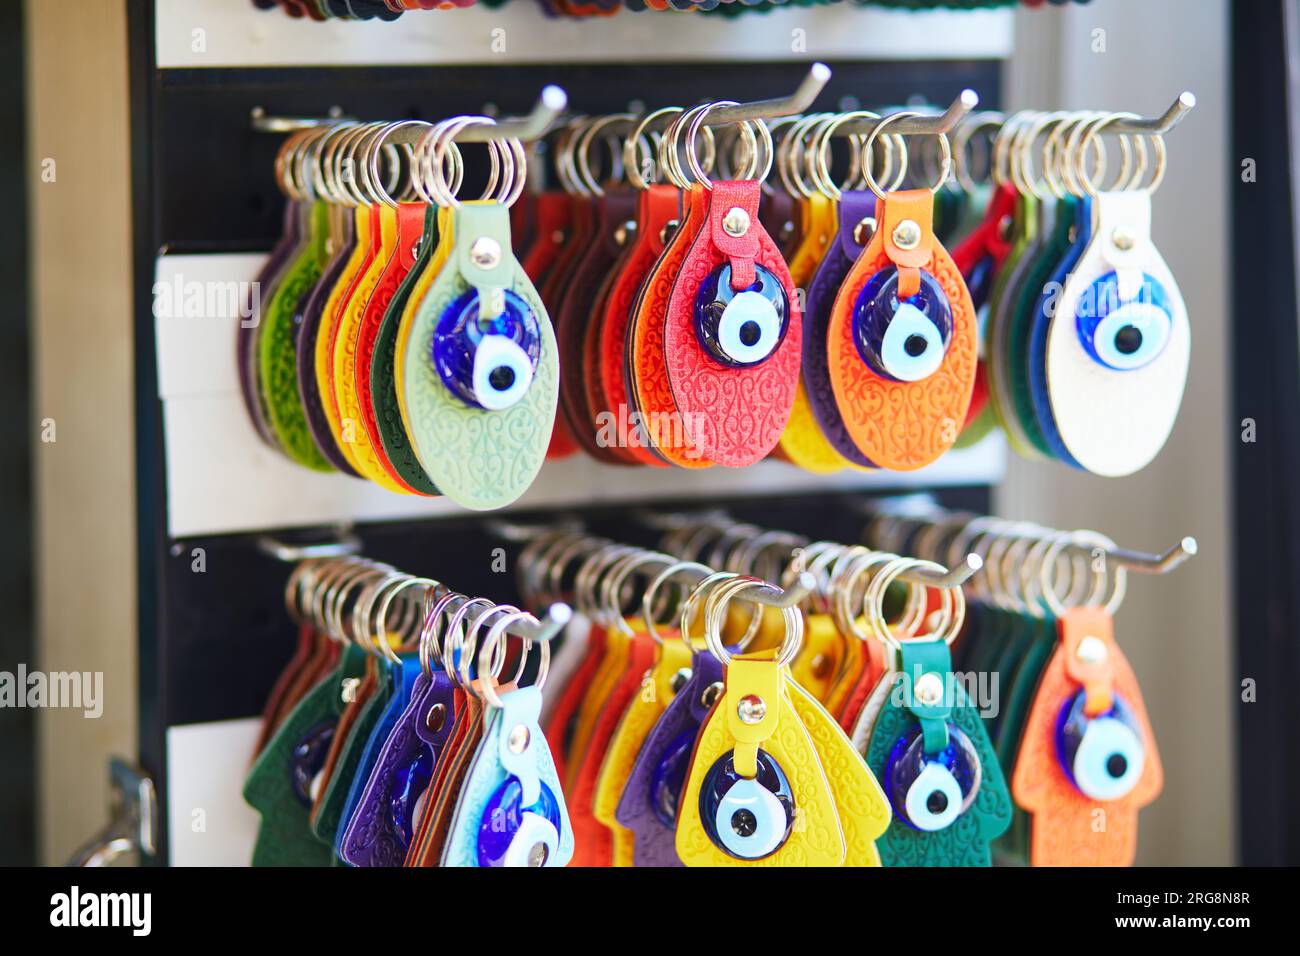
(659, 209)
(902, 349)
(647, 375)
(1087, 759)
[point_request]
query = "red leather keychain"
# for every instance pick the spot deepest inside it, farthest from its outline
(552, 231)
(659, 208)
(902, 342)
(989, 241)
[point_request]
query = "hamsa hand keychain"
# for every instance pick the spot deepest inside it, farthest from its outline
(929, 746)
(1087, 760)
(901, 342)
(479, 367)
(511, 810)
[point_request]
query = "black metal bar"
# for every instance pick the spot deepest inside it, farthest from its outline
(1266, 393)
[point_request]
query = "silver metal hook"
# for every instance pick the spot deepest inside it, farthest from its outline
(543, 117)
(264, 123)
(1156, 126)
(346, 542)
(809, 87)
(922, 125)
(1148, 563)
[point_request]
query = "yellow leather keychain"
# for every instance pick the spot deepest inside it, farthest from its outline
(754, 770)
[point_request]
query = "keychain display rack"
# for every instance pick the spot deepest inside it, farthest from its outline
(211, 643)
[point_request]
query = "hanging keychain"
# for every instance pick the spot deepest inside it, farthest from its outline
(902, 335)
(855, 225)
(479, 370)
(511, 810)
(1119, 344)
(733, 330)
(1088, 758)
(930, 747)
(390, 808)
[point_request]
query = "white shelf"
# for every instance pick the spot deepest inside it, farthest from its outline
(222, 478)
(233, 33)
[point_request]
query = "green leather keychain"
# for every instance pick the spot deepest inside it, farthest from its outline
(941, 774)
(480, 373)
(281, 784)
(383, 386)
(276, 344)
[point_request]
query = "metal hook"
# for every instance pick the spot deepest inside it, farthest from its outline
(1148, 563)
(1159, 125)
(263, 123)
(545, 114)
(922, 125)
(346, 543)
(797, 102)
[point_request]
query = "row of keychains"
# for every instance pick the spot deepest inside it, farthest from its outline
(392, 9)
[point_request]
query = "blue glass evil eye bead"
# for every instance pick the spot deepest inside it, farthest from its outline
(308, 759)
(1124, 335)
(747, 819)
(670, 778)
(741, 329)
(409, 786)
(904, 341)
(930, 791)
(487, 363)
(1103, 756)
(511, 834)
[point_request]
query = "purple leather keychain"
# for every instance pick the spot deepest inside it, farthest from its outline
(649, 801)
(246, 336)
(381, 829)
(856, 221)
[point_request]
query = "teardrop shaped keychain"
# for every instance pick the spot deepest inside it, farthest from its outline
(511, 810)
(480, 373)
(802, 441)
(930, 747)
(902, 335)
(1119, 345)
(733, 331)
(1088, 760)
(649, 390)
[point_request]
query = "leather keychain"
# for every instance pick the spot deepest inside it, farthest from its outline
(554, 215)
(511, 810)
(733, 328)
(902, 339)
(1119, 344)
(929, 746)
(1088, 758)
(480, 373)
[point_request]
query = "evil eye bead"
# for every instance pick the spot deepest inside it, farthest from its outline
(741, 329)
(1124, 334)
(407, 798)
(511, 834)
(747, 819)
(308, 760)
(487, 363)
(902, 340)
(670, 777)
(1103, 755)
(930, 791)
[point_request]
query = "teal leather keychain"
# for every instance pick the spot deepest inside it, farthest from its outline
(930, 749)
